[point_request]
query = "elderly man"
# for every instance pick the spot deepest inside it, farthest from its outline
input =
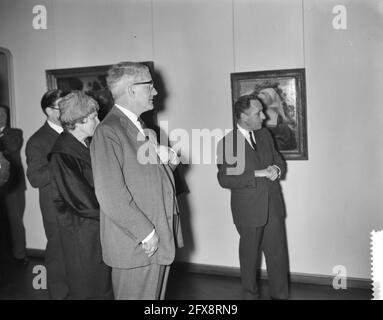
(138, 208)
(38, 147)
(250, 166)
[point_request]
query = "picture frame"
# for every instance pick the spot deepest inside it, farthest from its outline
(92, 80)
(283, 93)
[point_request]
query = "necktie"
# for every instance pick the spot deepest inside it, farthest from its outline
(252, 140)
(143, 127)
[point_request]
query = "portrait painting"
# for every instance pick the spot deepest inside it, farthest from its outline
(283, 95)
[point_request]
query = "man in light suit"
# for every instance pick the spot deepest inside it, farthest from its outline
(138, 208)
(250, 166)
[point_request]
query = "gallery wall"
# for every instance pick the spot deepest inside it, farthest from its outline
(332, 199)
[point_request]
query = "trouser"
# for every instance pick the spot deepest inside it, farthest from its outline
(14, 205)
(54, 257)
(271, 239)
(142, 283)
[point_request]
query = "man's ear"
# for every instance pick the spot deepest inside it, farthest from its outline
(131, 91)
(48, 112)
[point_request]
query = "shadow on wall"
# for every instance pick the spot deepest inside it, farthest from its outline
(180, 173)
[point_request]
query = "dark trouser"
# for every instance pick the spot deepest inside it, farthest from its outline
(54, 259)
(271, 239)
(87, 276)
(14, 205)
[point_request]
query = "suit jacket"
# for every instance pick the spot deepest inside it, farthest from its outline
(37, 149)
(134, 198)
(251, 198)
(11, 141)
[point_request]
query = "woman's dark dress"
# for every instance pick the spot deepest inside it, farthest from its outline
(78, 219)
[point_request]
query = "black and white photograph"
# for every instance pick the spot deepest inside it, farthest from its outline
(191, 155)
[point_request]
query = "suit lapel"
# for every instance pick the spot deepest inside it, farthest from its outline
(140, 140)
(248, 149)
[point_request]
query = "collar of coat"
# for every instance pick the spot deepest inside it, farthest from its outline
(66, 143)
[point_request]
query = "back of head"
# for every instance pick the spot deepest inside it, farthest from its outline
(75, 107)
(50, 97)
(122, 73)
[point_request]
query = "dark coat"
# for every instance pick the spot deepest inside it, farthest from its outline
(78, 219)
(37, 149)
(11, 141)
(251, 198)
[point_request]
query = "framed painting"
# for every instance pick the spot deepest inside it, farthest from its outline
(283, 93)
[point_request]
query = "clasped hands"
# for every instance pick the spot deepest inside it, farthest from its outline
(271, 172)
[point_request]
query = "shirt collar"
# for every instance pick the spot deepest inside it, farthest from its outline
(243, 131)
(55, 127)
(132, 117)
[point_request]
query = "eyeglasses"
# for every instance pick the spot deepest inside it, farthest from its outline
(150, 83)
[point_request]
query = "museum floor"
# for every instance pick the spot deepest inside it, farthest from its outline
(16, 284)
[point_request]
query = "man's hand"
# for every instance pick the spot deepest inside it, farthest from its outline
(273, 173)
(167, 155)
(151, 246)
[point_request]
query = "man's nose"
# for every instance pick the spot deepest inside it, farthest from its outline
(154, 91)
(263, 117)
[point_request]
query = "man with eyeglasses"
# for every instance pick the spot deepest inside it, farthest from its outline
(138, 208)
(37, 149)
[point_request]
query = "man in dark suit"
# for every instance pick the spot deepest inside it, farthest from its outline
(250, 166)
(38, 147)
(12, 193)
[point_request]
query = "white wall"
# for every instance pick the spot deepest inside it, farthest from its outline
(332, 199)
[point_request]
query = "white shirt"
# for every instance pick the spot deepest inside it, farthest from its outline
(134, 118)
(165, 153)
(55, 127)
(246, 134)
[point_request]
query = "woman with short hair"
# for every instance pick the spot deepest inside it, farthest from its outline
(74, 196)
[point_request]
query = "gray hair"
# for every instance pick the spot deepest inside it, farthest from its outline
(121, 72)
(75, 107)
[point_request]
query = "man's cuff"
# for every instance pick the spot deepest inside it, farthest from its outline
(149, 236)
